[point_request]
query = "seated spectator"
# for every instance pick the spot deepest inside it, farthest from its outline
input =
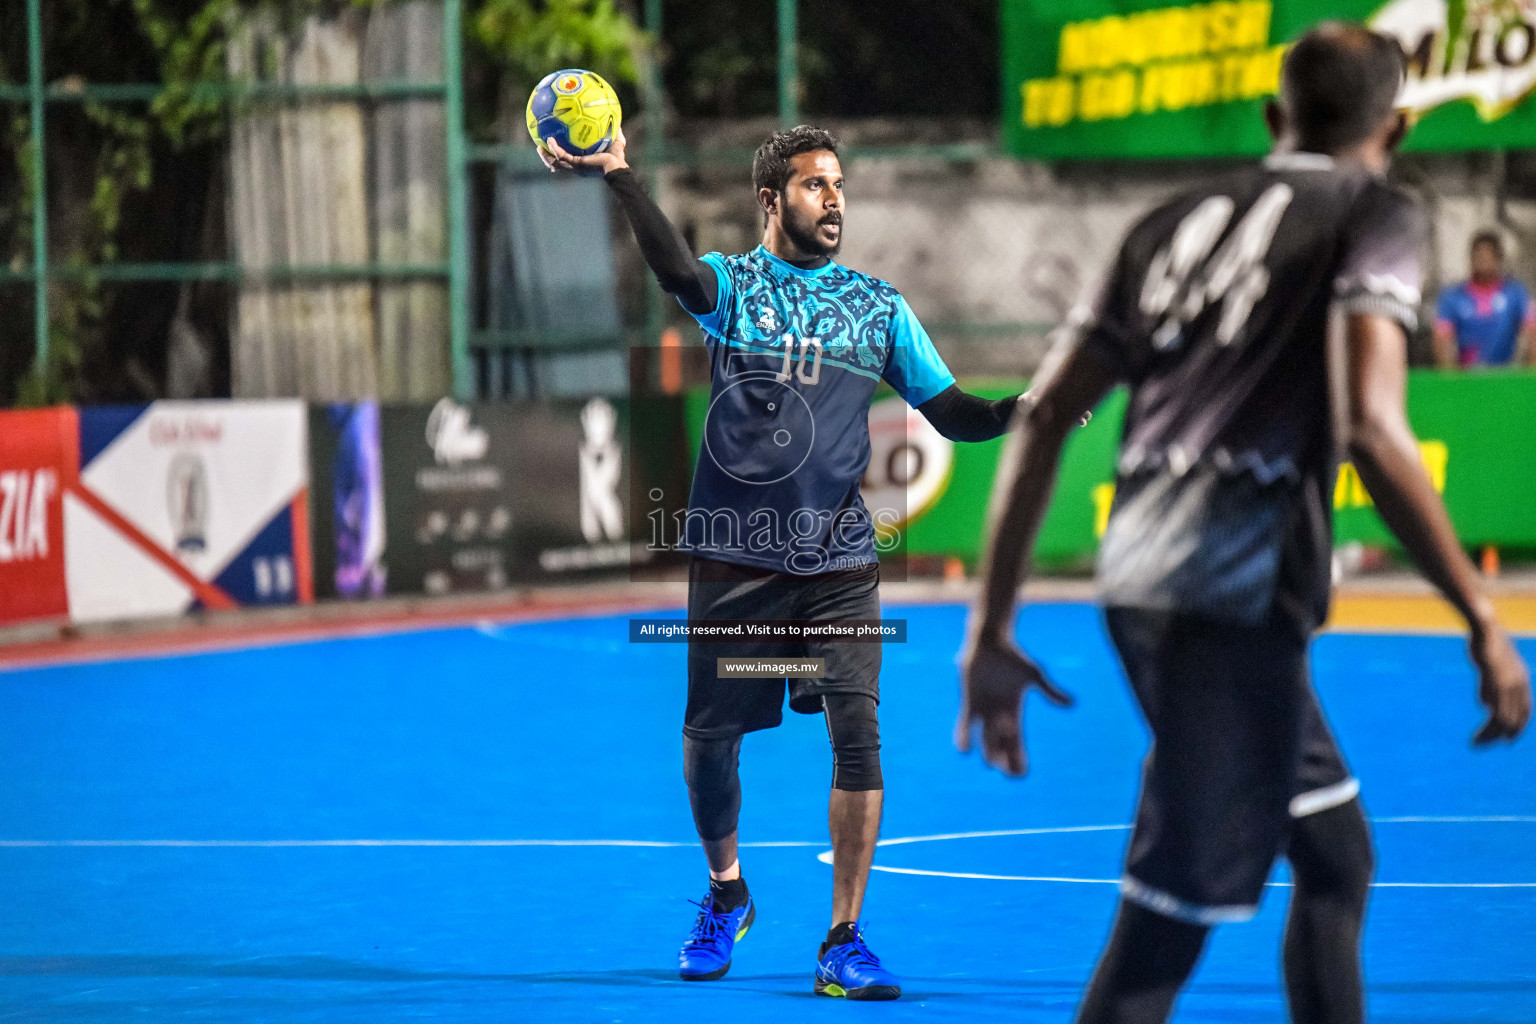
(1488, 320)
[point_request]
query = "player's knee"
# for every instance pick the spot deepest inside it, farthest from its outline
(1331, 855)
(714, 788)
(1359, 870)
(854, 728)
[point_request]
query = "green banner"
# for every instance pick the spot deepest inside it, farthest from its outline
(1477, 438)
(1477, 435)
(954, 524)
(1086, 79)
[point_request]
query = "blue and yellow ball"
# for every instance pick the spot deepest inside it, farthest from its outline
(575, 107)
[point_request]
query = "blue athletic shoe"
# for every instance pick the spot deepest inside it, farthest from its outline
(851, 970)
(707, 953)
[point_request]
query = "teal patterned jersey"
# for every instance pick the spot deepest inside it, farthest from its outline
(795, 357)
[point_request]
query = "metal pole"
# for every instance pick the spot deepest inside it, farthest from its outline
(458, 228)
(655, 149)
(39, 189)
(789, 65)
(655, 121)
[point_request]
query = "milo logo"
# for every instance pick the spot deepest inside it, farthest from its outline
(1478, 50)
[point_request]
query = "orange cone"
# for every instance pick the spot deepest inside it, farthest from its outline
(1490, 561)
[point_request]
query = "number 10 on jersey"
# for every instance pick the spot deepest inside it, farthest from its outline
(811, 345)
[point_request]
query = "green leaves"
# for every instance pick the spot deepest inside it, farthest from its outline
(529, 38)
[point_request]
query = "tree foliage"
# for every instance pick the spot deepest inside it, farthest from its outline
(526, 39)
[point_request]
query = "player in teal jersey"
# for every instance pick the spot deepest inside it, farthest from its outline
(776, 526)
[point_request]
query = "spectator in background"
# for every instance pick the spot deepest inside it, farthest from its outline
(1488, 320)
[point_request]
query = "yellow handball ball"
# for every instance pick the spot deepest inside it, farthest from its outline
(575, 107)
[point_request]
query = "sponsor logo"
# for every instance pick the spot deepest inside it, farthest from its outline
(187, 500)
(24, 499)
(166, 430)
(565, 85)
(909, 465)
(1478, 50)
(454, 439)
(1169, 58)
(602, 517)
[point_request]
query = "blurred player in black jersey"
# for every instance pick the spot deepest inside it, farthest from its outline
(1261, 324)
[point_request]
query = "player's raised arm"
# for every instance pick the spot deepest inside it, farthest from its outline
(665, 251)
(1386, 455)
(995, 672)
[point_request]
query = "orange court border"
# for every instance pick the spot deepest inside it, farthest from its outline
(1364, 612)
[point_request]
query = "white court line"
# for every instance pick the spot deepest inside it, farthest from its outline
(825, 856)
(305, 843)
(1412, 819)
(1444, 885)
(825, 859)
(665, 844)
(1001, 832)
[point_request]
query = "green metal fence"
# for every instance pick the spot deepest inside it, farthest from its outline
(454, 271)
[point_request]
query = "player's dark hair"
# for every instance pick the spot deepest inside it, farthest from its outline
(770, 165)
(1492, 239)
(1339, 82)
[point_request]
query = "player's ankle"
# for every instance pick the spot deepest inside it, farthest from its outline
(843, 931)
(728, 894)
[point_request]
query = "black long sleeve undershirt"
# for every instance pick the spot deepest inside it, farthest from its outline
(962, 417)
(663, 246)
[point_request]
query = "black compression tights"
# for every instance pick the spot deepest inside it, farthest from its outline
(1144, 965)
(1330, 855)
(1150, 956)
(714, 788)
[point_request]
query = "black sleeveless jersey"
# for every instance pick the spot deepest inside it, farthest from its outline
(1215, 313)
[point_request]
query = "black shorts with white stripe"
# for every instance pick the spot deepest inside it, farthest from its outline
(1240, 749)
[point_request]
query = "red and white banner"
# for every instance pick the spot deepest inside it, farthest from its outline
(38, 460)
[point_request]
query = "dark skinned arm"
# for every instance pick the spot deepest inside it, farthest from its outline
(1386, 455)
(995, 672)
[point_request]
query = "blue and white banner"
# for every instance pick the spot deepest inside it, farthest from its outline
(184, 505)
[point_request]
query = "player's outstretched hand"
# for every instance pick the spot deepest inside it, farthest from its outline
(1504, 686)
(610, 159)
(994, 676)
(1082, 420)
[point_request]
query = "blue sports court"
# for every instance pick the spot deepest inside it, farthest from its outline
(490, 824)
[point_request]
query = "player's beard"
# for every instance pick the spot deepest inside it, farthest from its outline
(803, 231)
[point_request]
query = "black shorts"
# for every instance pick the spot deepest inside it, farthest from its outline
(719, 708)
(1240, 748)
